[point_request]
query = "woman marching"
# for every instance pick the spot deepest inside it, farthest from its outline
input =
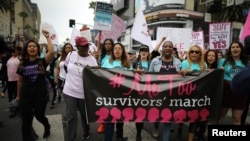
(32, 87)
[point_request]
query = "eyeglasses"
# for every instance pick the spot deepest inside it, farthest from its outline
(194, 51)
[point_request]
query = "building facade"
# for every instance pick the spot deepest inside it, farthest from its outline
(24, 18)
(194, 14)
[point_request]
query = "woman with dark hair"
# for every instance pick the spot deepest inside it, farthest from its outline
(32, 86)
(234, 61)
(211, 58)
(168, 64)
(118, 60)
(59, 71)
(140, 65)
(106, 51)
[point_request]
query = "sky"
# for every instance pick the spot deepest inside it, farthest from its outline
(58, 12)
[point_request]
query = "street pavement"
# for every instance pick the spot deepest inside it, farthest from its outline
(11, 129)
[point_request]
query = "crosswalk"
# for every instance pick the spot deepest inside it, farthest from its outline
(57, 133)
(56, 128)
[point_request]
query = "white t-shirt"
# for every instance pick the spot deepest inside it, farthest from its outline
(74, 79)
(62, 73)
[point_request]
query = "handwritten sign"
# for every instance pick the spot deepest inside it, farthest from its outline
(180, 37)
(151, 97)
(219, 35)
(103, 16)
(198, 39)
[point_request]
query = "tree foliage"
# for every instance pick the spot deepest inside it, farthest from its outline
(5, 5)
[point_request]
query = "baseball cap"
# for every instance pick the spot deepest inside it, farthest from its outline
(144, 47)
(132, 52)
(81, 41)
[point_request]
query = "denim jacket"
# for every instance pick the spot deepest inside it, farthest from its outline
(156, 64)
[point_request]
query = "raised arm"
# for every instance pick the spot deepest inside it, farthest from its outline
(158, 45)
(50, 53)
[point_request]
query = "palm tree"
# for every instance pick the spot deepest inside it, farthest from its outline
(5, 5)
(34, 31)
(24, 15)
(92, 5)
(27, 27)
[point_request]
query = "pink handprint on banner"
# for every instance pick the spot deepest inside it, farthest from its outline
(204, 114)
(116, 114)
(153, 114)
(140, 114)
(180, 115)
(102, 113)
(193, 115)
(166, 115)
(128, 114)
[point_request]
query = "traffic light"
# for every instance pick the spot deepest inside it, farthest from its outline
(72, 23)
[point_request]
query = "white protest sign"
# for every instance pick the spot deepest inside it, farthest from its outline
(219, 35)
(86, 34)
(51, 30)
(198, 39)
(179, 36)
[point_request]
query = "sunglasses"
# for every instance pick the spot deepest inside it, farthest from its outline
(193, 51)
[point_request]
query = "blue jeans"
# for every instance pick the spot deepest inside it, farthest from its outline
(166, 131)
(72, 105)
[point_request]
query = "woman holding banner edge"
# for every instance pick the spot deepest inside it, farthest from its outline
(118, 60)
(194, 62)
(169, 64)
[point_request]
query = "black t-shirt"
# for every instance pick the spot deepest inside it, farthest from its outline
(168, 67)
(34, 83)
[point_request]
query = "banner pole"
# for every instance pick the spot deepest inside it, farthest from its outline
(99, 42)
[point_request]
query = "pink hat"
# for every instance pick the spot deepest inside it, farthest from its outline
(81, 41)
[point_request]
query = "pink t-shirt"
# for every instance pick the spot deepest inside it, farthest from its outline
(12, 65)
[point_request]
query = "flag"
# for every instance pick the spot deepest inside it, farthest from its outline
(140, 30)
(246, 27)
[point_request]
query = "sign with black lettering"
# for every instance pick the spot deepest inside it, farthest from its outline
(114, 95)
(103, 16)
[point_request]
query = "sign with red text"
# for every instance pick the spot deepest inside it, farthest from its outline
(114, 95)
(180, 37)
(198, 39)
(219, 35)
